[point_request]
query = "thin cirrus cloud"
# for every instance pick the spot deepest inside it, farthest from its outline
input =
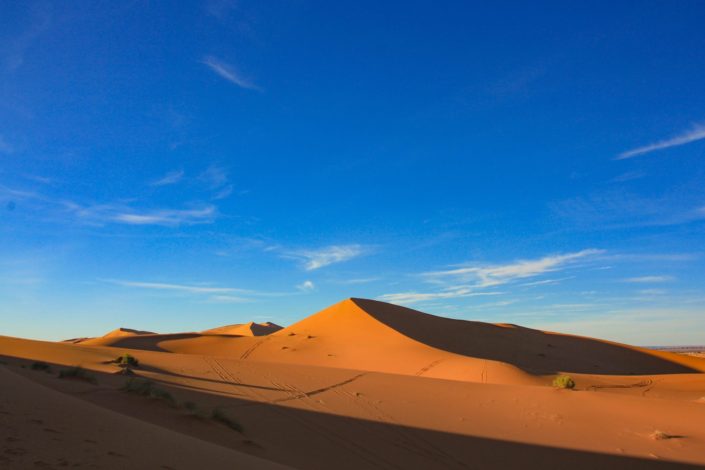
(481, 277)
(229, 73)
(406, 298)
(170, 178)
(649, 279)
(191, 289)
(120, 214)
(213, 294)
(494, 275)
(319, 258)
(695, 133)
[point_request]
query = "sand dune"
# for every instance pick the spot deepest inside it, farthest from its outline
(363, 384)
(320, 418)
(245, 329)
(375, 336)
(109, 337)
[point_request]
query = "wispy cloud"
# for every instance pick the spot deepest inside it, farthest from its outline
(486, 276)
(191, 289)
(318, 258)
(306, 286)
(172, 177)
(471, 281)
(58, 209)
(215, 176)
(216, 179)
(547, 281)
(649, 279)
(628, 176)
(211, 293)
(223, 192)
(696, 132)
(229, 73)
(406, 298)
(120, 214)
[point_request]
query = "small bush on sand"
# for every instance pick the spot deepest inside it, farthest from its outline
(146, 388)
(42, 366)
(221, 417)
(193, 409)
(127, 360)
(77, 373)
(564, 381)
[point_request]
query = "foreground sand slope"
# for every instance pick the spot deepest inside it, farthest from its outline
(42, 428)
(320, 417)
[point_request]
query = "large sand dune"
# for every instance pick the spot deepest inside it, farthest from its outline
(364, 384)
(370, 335)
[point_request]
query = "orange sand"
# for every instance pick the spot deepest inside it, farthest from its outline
(363, 384)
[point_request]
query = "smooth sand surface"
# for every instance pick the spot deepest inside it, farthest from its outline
(245, 329)
(364, 384)
(42, 428)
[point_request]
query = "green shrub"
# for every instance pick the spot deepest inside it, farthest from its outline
(221, 417)
(77, 373)
(564, 381)
(42, 366)
(147, 388)
(127, 360)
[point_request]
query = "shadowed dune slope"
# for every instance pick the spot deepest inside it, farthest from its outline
(43, 428)
(245, 329)
(528, 349)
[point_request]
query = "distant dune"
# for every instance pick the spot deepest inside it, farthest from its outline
(245, 329)
(111, 336)
(361, 384)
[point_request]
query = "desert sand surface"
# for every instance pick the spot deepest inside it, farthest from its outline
(362, 384)
(43, 428)
(245, 329)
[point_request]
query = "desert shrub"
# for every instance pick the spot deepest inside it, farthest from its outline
(564, 381)
(146, 388)
(127, 360)
(220, 416)
(77, 373)
(194, 410)
(42, 366)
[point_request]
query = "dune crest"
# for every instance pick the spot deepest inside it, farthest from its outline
(109, 337)
(245, 329)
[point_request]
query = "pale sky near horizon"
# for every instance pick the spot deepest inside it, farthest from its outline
(180, 166)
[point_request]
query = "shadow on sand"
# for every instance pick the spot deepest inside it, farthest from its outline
(310, 439)
(534, 351)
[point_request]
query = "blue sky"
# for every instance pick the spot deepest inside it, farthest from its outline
(179, 167)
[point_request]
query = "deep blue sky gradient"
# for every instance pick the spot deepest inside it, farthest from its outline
(392, 139)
